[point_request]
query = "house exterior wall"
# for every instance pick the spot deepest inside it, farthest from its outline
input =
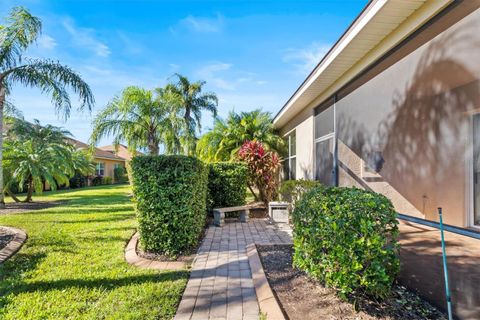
(109, 166)
(303, 125)
(414, 108)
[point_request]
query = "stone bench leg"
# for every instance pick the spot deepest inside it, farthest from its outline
(244, 215)
(218, 218)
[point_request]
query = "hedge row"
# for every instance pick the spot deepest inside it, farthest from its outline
(227, 185)
(170, 201)
(170, 194)
(347, 238)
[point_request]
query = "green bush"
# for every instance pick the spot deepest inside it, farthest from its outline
(292, 190)
(227, 185)
(120, 175)
(97, 181)
(170, 200)
(106, 180)
(78, 181)
(347, 238)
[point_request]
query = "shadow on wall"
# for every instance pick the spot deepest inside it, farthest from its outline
(424, 140)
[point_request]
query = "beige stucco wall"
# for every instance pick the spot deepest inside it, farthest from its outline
(303, 125)
(109, 166)
(416, 111)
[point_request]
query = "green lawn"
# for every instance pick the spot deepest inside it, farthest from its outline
(72, 265)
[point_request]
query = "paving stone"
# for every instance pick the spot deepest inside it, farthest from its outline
(220, 284)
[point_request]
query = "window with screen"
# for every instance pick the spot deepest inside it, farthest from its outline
(290, 162)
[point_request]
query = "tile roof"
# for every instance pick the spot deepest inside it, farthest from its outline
(99, 153)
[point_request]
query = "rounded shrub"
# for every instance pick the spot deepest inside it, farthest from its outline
(170, 200)
(347, 238)
(227, 185)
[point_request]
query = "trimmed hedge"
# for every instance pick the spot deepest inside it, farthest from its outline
(347, 238)
(227, 185)
(170, 201)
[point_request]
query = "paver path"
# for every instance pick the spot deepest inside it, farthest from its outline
(220, 284)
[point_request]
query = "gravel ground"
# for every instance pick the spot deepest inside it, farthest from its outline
(303, 298)
(5, 237)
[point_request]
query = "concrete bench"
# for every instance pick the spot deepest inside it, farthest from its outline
(219, 213)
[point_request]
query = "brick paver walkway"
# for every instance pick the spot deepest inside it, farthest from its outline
(220, 284)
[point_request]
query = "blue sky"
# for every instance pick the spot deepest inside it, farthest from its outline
(251, 53)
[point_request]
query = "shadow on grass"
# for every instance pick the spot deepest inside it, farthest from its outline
(113, 218)
(12, 270)
(100, 283)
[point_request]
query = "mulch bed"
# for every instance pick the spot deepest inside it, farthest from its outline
(19, 207)
(303, 298)
(6, 235)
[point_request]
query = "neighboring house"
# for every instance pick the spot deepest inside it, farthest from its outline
(121, 151)
(394, 107)
(105, 161)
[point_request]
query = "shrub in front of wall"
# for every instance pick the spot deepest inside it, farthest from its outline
(170, 201)
(78, 181)
(120, 174)
(97, 181)
(262, 169)
(292, 190)
(106, 180)
(227, 185)
(347, 238)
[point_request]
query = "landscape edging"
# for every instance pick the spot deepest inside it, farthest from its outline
(266, 300)
(14, 245)
(133, 258)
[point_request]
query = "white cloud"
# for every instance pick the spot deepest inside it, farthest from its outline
(305, 59)
(223, 76)
(202, 24)
(84, 37)
(46, 42)
(210, 73)
(130, 46)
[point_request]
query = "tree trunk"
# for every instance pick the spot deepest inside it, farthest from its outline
(12, 195)
(188, 139)
(3, 93)
(30, 191)
(254, 194)
(153, 149)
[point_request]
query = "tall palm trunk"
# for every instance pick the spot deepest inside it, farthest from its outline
(3, 93)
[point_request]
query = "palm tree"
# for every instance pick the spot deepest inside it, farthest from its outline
(193, 102)
(227, 136)
(35, 154)
(19, 31)
(143, 119)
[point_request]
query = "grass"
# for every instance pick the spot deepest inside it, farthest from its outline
(72, 265)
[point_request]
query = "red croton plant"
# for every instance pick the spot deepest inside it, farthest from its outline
(263, 170)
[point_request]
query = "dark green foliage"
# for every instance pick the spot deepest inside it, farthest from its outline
(120, 175)
(170, 200)
(227, 185)
(97, 181)
(78, 181)
(347, 238)
(292, 190)
(106, 180)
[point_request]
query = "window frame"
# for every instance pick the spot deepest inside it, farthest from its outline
(100, 169)
(291, 157)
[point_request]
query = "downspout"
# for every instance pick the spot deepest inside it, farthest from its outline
(335, 143)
